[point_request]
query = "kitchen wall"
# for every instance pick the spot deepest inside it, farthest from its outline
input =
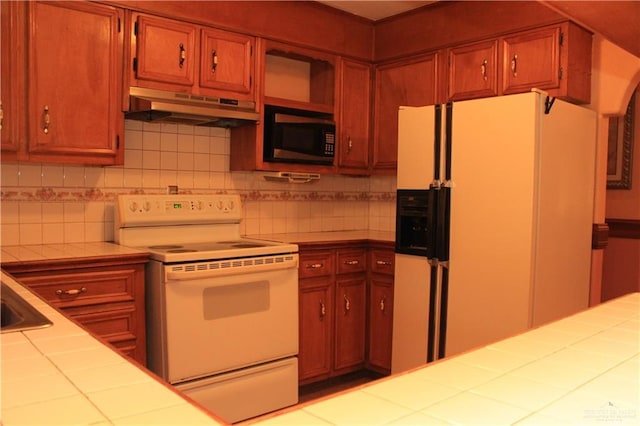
(621, 265)
(50, 204)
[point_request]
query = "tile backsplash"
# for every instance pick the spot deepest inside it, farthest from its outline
(50, 204)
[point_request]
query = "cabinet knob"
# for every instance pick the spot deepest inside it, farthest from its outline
(72, 292)
(183, 55)
(46, 118)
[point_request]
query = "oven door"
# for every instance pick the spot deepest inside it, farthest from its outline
(226, 315)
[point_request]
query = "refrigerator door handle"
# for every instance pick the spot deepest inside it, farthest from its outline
(442, 323)
(432, 325)
(437, 142)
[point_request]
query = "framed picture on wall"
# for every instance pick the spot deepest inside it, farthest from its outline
(620, 152)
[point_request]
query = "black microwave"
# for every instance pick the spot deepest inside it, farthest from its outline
(297, 136)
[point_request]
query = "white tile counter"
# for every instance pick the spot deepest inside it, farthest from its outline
(44, 252)
(581, 370)
(62, 375)
(324, 237)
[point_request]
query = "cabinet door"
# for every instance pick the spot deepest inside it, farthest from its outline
(226, 62)
(351, 311)
(532, 60)
(316, 325)
(165, 51)
(75, 74)
(12, 88)
(353, 142)
(473, 71)
(411, 83)
(380, 322)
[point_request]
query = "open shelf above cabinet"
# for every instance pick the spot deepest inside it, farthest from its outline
(300, 79)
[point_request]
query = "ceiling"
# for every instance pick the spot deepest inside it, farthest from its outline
(615, 20)
(375, 10)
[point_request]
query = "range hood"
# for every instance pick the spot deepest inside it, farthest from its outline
(198, 110)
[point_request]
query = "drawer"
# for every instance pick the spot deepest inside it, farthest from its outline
(65, 290)
(352, 261)
(113, 324)
(316, 264)
(382, 262)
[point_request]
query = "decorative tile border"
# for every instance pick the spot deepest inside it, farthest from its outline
(45, 194)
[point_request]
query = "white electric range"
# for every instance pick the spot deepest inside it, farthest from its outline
(222, 310)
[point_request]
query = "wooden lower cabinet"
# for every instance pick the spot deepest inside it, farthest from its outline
(104, 296)
(380, 305)
(342, 328)
(350, 327)
(332, 309)
(316, 328)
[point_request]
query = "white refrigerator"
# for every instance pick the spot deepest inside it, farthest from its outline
(509, 185)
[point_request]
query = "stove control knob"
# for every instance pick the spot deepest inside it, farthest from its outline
(231, 205)
(219, 205)
(146, 206)
(133, 206)
(199, 205)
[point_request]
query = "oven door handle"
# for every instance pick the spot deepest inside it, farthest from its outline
(214, 269)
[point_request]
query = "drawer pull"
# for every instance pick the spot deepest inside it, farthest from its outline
(71, 292)
(383, 263)
(351, 262)
(214, 60)
(382, 303)
(347, 304)
(514, 65)
(483, 69)
(183, 55)
(323, 309)
(314, 266)
(46, 119)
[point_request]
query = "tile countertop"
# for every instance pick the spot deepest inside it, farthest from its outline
(63, 375)
(321, 237)
(42, 252)
(580, 370)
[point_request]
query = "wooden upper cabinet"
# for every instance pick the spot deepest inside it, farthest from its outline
(74, 80)
(556, 59)
(166, 50)
(183, 57)
(353, 122)
(473, 71)
(410, 82)
(226, 61)
(531, 59)
(13, 80)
